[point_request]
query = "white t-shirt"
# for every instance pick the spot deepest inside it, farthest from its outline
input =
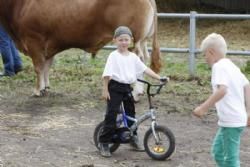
(231, 108)
(123, 68)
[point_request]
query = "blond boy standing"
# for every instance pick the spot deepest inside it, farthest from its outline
(231, 97)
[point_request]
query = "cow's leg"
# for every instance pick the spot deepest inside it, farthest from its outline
(145, 51)
(138, 88)
(39, 66)
(47, 66)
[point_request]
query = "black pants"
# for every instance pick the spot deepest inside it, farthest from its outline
(118, 93)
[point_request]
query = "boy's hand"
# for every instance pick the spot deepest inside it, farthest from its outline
(105, 94)
(199, 111)
(164, 79)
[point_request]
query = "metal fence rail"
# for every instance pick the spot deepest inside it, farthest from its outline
(192, 50)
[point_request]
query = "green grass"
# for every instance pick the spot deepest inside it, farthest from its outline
(77, 68)
(75, 78)
(246, 68)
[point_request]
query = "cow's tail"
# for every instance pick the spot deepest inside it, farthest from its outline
(155, 54)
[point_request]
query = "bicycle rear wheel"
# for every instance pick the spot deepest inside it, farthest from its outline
(164, 148)
(113, 147)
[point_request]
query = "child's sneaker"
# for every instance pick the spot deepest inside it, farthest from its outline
(104, 150)
(136, 144)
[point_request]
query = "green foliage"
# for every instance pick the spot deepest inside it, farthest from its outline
(247, 67)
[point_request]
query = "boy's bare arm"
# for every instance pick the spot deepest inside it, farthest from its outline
(247, 101)
(210, 102)
(152, 74)
(105, 92)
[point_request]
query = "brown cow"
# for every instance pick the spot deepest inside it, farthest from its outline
(42, 28)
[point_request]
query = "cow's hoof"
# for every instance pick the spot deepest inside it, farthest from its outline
(41, 93)
(35, 95)
(44, 92)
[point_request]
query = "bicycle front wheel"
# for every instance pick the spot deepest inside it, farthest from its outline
(164, 147)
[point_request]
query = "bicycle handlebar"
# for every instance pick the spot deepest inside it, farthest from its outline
(149, 85)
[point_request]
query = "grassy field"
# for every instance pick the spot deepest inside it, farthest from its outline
(74, 73)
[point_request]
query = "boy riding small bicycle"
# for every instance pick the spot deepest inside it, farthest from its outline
(121, 70)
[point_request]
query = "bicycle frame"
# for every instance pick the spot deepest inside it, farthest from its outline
(147, 115)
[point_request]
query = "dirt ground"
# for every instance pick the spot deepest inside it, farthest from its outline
(57, 130)
(59, 133)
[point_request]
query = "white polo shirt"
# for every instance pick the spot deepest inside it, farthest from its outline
(123, 68)
(231, 108)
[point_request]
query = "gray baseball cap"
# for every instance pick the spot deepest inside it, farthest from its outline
(122, 30)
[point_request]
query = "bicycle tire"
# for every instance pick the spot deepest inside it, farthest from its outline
(98, 129)
(157, 154)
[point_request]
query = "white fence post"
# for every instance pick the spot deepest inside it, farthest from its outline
(192, 47)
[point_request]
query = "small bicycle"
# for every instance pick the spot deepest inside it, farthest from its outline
(159, 141)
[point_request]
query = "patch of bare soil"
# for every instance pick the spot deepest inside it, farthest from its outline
(57, 131)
